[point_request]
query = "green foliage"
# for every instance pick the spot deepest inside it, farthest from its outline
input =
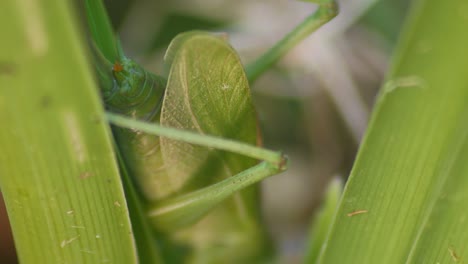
(410, 174)
(58, 172)
(101, 30)
(320, 226)
(403, 202)
(148, 250)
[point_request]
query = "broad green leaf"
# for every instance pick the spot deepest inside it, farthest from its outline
(58, 172)
(208, 93)
(410, 175)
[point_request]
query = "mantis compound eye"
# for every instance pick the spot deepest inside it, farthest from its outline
(117, 67)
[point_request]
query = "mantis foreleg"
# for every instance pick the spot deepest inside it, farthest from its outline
(326, 11)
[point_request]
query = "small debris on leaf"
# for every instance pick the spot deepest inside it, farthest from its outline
(357, 212)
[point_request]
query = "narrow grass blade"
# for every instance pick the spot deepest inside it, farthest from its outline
(410, 176)
(58, 172)
(322, 221)
(101, 29)
(148, 249)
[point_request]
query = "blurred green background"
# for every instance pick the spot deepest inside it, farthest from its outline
(314, 105)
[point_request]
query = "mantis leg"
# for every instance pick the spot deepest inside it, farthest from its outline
(180, 211)
(326, 11)
(184, 210)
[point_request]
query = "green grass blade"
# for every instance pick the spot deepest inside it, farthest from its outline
(148, 250)
(322, 222)
(101, 29)
(58, 172)
(410, 174)
(442, 236)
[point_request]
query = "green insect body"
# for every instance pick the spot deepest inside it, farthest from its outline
(192, 190)
(128, 89)
(135, 92)
(215, 101)
(212, 99)
(139, 94)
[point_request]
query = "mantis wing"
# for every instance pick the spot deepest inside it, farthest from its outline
(208, 93)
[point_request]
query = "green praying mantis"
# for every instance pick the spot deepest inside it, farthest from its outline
(189, 138)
